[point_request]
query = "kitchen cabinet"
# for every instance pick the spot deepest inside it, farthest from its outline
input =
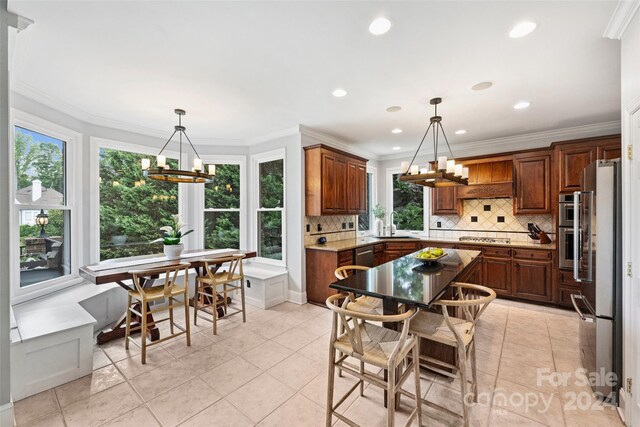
(496, 269)
(335, 182)
(566, 287)
(356, 187)
(320, 266)
(531, 275)
(378, 254)
(571, 157)
(395, 250)
(532, 183)
(444, 201)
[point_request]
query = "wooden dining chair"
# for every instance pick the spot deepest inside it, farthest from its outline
(146, 291)
(364, 303)
(455, 331)
(378, 346)
(225, 282)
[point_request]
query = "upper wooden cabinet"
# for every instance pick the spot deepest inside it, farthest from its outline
(532, 183)
(335, 182)
(572, 157)
(445, 201)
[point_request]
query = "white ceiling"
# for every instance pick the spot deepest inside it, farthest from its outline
(246, 69)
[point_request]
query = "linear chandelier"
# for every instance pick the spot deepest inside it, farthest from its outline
(162, 172)
(442, 172)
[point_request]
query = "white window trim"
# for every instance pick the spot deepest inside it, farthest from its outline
(425, 201)
(73, 194)
(374, 200)
(256, 159)
(95, 144)
(199, 198)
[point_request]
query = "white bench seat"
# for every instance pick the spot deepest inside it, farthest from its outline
(265, 286)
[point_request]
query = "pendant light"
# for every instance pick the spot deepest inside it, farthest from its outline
(443, 171)
(162, 172)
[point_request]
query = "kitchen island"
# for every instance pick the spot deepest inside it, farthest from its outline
(517, 270)
(407, 280)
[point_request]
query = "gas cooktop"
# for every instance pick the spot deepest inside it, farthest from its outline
(485, 239)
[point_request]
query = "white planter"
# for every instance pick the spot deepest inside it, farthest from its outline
(173, 251)
(378, 227)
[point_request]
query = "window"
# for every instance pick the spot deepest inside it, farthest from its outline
(408, 204)
(44, 214)
(222, 208)
(132, 208)
(270, 207)
(364, 221)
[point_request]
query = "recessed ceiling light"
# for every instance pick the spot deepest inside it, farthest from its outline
(394, 108)
(396, 148)
(522, 29)
(481, 86)
(339, 93)
(396, 130)
(521, 105)
(379, 26)
(461, 132)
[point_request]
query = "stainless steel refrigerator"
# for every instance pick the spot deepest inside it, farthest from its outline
(598, 268)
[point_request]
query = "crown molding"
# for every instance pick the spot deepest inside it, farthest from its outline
(525, 141)
(622, 16)
(274, 135)
(334, 142)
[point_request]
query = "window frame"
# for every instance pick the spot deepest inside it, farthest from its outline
(95, 144)
(199, 195)
(73, 204)
(425, 202)
(256, 160)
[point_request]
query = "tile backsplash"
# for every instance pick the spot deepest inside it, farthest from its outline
(331, 227)
(489, 218)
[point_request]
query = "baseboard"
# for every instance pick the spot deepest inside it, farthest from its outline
(297, 297)
(623, 399)
(6, 415)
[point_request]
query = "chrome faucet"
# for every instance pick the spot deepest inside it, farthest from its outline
(391, 218)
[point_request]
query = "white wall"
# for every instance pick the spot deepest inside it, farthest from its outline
(294, 209)
(5, 190)
(630, 98)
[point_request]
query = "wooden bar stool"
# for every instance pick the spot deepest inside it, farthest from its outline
(457, 332)
(375, 345)
(207, 286)
(139, 298)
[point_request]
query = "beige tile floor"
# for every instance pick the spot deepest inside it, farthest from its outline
(271, 371)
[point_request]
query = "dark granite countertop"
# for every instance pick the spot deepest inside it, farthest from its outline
(407, 280)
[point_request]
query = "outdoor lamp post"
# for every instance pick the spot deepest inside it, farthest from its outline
(42, 219)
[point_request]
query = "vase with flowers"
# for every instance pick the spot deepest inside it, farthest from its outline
(172, 237)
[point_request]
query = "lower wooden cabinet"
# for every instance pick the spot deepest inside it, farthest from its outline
(525, 274)
(532, 280)
(497, 274)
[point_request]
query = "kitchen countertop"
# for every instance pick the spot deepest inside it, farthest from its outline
(406, 280)
(341, 245)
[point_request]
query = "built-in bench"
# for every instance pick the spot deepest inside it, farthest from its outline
(266, 285)
(52, 337)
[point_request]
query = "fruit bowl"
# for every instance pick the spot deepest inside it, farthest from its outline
(430, 261)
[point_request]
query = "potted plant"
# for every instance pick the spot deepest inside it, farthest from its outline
(379, 212)
(172, 236)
